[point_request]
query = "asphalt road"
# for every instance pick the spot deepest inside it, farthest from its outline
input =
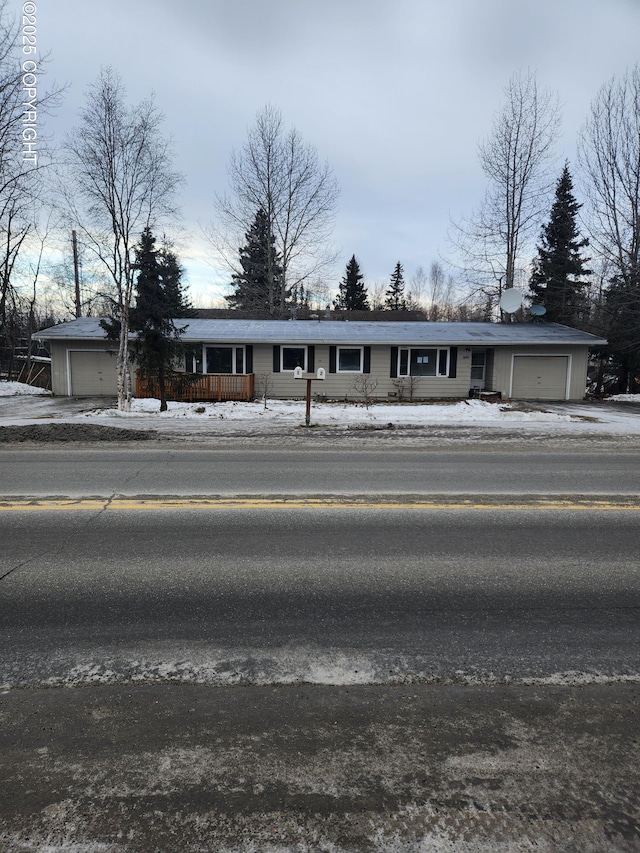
(348, 679)
(73, 471)
(339, 678)
(340, 596)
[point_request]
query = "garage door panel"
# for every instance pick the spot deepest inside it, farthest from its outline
(93, 373)
(540, 377)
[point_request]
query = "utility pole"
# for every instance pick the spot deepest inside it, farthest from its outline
(76, 273)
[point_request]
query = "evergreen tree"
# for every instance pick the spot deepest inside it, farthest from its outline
(259, 285)
(559, 275)
(622, 329)
(177, 300)
(159, 299)
(394, 299)
(352, 294)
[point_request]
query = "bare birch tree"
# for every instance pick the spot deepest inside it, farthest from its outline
(609, 155)
(23, 105)
(516, 159)
(120, 181)
(277, 172)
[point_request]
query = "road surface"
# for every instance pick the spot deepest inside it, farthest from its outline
(402, 670)
(80, 471)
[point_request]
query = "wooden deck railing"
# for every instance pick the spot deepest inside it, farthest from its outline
(198, 387)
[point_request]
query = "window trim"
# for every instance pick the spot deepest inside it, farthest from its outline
(476, 354)
(345, 347)
(438, 351)
(234, 359)
(283, 347)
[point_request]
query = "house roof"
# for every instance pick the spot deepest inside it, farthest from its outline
(348, 332)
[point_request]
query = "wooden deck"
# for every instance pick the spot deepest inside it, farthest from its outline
(199, 387)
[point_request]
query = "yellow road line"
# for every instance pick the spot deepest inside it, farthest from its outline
(332, 502)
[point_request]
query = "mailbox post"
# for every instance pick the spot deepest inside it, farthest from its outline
(297, 374)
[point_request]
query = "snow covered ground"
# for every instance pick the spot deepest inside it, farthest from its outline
(19, 389)
(22, 404)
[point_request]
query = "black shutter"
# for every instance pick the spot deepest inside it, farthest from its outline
(366, 366)
(332, 359)
(394, 362)
(311, 359)
(248, 358)
(453, 362)
(276, 358)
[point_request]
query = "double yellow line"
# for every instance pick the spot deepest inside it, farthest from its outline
(386, 502)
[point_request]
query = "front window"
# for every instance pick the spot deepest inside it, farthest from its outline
(217, 360)
(424, 362)
(292, 357)
(349, 359)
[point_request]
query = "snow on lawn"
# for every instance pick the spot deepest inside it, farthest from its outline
(14, 389)
(145, 413)
(332, 414)
(625, 398)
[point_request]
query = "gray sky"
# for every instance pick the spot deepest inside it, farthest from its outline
(394, 94)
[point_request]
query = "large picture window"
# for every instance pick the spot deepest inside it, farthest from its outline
(217, 359)
(423, 362)
(220, 360)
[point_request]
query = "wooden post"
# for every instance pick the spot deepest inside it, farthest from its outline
(307, 417)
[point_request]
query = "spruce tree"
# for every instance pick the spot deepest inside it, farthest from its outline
(159, 299)
(622, 329)
(394, 299)
(177, 300)
(259, 286)
(559, 273)
(352, 294)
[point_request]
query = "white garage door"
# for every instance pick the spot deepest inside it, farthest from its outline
(93, 374)
(538, 377)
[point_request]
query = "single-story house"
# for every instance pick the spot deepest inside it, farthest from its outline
(233, 359)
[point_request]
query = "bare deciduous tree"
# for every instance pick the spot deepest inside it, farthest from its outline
(365, 384)
(376, 292)
(93, 280)
(120, 181)
(417, 288)
(516, 159)
(265, 386)
(23, 104)
(277, 172)
(609, 155)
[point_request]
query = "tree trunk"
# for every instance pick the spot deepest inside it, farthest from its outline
(161, 388)
(123, 367)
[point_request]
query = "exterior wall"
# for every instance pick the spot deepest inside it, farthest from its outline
(60, 363)
(498, 372)
(340, 385)
(502, 372)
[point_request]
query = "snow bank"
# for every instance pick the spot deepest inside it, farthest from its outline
(14, 389)
(293, 412)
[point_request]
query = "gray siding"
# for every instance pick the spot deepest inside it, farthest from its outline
(503, 368)
(340, 386)
(101, 383)
(540, 377)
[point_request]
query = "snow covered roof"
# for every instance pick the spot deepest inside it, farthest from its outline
(346, 332)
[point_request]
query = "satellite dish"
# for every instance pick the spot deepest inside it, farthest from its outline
(538, 310)
(510, 300)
